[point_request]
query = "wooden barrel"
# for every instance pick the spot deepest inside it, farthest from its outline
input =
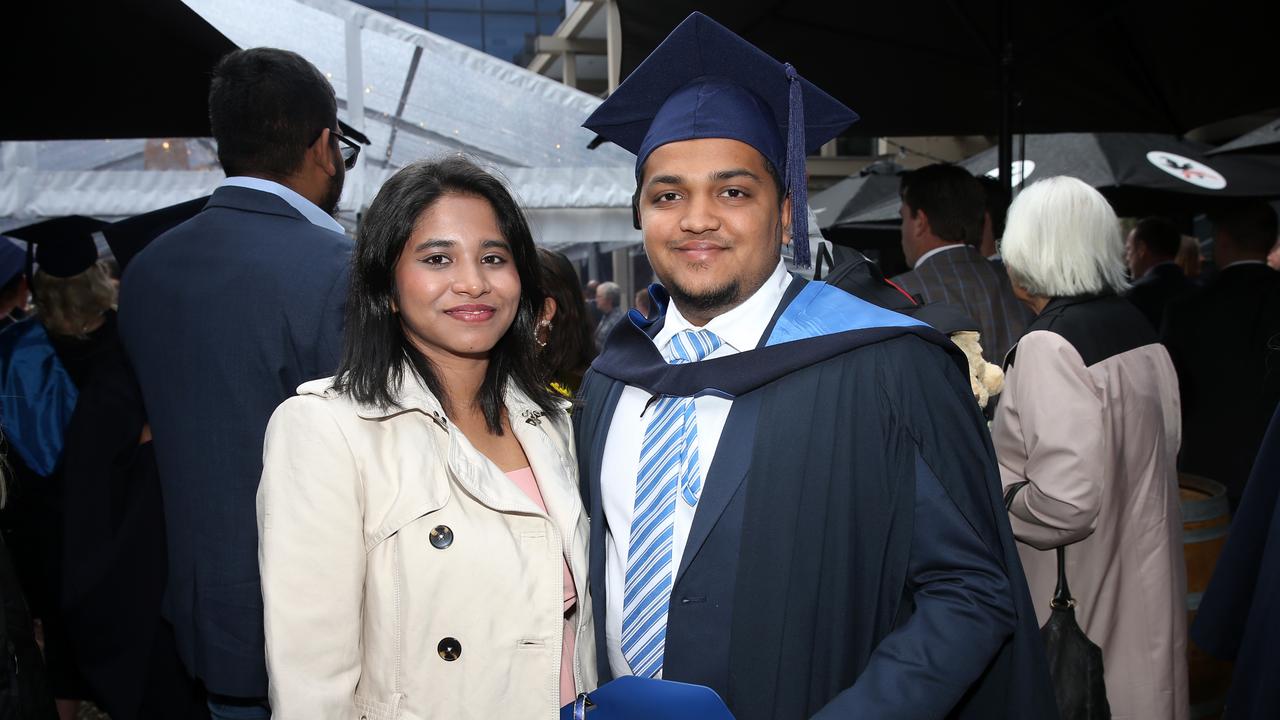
(1206, 518)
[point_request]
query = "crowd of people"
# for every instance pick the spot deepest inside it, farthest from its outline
(430, 473)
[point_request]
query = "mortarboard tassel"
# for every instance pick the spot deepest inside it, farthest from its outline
(796, 171)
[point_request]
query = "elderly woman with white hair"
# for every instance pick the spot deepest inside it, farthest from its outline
(1087, 435)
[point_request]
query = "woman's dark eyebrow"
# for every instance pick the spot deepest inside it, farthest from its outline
(496, 244)
(433, 243)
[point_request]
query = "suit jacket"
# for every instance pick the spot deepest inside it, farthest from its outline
(965, 278)
(850, 513)
(1222, 340)
(222, 317)
(1152, 292)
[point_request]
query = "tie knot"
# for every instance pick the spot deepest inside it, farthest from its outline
(693, 345)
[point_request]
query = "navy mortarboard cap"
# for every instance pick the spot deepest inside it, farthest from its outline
(704, 81)
(128, 237)
(12, 261)
(64, 246)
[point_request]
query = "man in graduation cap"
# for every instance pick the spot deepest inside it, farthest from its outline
(795, 499)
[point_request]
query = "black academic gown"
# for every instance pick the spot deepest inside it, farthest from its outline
(113, 545)
(1239, 616)
(850, 555)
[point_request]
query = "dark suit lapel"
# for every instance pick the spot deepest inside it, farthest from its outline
(733, 453)
(592, 431)
(724, 478)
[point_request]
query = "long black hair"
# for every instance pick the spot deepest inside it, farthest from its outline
(570, 347)
(375, 347)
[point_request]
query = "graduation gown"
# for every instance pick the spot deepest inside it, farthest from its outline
(850, 554)
(1239, 616)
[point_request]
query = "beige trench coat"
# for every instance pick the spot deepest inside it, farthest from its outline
(1098, 445)
(387, 542)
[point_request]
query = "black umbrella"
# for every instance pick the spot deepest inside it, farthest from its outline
(845, 199)
(1265, 139)
(1139, 174)
(941, 67)
(124, 69)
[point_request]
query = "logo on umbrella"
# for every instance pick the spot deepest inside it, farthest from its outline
(1187, 170)
(1019, 170)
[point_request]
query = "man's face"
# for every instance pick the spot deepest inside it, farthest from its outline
(712, 224)
(1132, 255)
(602, 300)
(909, 247)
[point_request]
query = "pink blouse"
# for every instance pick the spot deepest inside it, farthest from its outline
(525, 480)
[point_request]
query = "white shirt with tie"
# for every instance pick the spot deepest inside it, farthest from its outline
(738, 329)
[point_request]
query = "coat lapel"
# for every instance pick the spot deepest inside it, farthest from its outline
(724, 478)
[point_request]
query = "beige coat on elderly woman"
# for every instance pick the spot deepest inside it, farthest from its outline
(1090, 419)
(404, 576)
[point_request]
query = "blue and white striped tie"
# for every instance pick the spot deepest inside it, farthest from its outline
(669, 467)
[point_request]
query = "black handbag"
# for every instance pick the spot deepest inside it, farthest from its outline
(1075, 662)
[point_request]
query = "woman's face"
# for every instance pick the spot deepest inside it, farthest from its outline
(457, 287)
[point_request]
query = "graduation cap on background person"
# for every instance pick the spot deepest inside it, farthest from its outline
(13, 260)
(704, 81)
(63, 246)
(128, 237)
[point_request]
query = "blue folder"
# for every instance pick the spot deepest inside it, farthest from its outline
(637, 698)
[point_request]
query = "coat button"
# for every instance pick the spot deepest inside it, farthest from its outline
(441, 537)
(449, 649)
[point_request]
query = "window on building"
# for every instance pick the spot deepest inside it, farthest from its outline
(464, 27)
(502, 28)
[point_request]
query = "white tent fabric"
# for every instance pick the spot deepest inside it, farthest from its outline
(414, 94)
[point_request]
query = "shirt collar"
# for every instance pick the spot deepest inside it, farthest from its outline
(935, 251)
(305, 207)
(1243, 262)
(742, 327)
(1152, 270)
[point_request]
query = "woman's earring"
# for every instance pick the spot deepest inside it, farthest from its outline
(539, 336)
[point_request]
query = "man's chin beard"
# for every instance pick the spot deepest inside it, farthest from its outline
(335, 193)
(707, 301)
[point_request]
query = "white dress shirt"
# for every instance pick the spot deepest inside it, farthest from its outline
(308, 209)
(739, 329)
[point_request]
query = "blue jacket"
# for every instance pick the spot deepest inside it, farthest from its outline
(223, 317)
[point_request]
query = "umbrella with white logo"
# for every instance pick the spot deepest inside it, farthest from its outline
(1139, 174)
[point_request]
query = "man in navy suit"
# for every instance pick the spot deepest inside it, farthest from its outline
(794, 498)
(223, 317)
(1223, 340)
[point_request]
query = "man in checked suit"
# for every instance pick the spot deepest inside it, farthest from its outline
(223, 317)
(942, 217)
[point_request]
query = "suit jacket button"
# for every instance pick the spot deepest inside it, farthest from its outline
(449, 649)
(441, 537)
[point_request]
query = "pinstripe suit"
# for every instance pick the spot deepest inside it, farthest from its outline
(963, 277)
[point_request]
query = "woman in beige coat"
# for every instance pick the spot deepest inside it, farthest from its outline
(1087, 435)
(422, 542)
